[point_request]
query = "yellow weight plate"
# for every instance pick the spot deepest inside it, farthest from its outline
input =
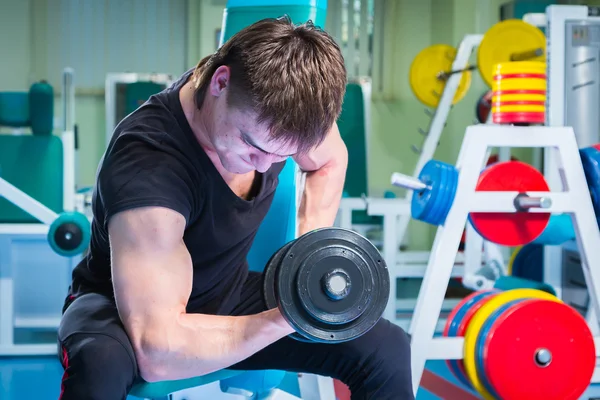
(477, 323)
(424, 71)
(519, 84)
(504, 39)
(519, 108)
(520, 67)
(518, 97)
(511, 260)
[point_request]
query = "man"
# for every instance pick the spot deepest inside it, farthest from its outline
(164, 292)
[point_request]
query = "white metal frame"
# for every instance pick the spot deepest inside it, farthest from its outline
(8, 320)
(110, 93)
(574, 200)
(556, 19)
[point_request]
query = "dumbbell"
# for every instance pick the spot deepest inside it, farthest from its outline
(331, 284)
(435, 190)
(69, 234)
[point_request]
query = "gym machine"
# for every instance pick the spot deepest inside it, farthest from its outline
(125, 92)
(32, 229)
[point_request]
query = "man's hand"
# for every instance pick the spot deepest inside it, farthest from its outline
(152, 278)
(326, 173)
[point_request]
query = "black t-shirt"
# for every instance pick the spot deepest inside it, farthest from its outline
(154, 159)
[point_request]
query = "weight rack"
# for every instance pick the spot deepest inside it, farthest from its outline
(574, 199)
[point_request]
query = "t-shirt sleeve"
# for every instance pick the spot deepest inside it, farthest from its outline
(143, 173)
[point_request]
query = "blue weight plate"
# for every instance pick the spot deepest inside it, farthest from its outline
(438, 197)
(529, 263)
(480, 346)
(590, 159)
(431, 174)
(452, 194)
(425, 205)
(455, 325)
(441, 205)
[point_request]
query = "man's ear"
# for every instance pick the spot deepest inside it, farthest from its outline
(220, 80)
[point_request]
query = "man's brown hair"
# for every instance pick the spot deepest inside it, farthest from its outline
(292, 76)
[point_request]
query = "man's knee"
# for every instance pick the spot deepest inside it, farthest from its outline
(96, 366)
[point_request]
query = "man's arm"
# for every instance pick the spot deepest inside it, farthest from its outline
(152, 277)
(325, 169)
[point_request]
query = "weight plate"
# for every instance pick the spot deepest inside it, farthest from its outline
(549, 347)
(424, 71)
(519, 118)
(480, 350)
(474, 328)
(504, 39)
(269, 287)
(432, 205)
(590, 158)
(511, 260)
(457, 322)
(69, 234)
(300, 290)
(529, 263)
(510, 228)
(483, 107)
(520, 67)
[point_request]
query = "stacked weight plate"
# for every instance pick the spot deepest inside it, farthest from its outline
(522, 344)
(519, 92)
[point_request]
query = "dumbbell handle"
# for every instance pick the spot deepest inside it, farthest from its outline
(524, 202)
(408, 182)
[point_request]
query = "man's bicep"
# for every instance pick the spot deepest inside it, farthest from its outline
(151, 267)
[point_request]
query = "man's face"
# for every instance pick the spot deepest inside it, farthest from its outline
(242, 144)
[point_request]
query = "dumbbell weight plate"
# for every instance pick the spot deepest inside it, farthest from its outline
(346, 258)
(269, 287)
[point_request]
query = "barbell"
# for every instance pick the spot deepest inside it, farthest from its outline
(331, 285)
(509, 40)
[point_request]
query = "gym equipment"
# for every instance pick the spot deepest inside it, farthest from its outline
(278, 228)
(510, 40)
(331, 285)
(571, 198)
(528, 262)
(546, 340)
(69, 234)
(37, 185)
(518, 92)
(483, 107)
(572, 96)
(436, 188)
(517, 228)
(430, 70)
(457, 323)
(125, 92)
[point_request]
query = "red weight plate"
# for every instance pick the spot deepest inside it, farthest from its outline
(518, 91)
(512, 76)
(596, 146)
(517, 228)
(516, 337)
(519, 117)
(518, 102)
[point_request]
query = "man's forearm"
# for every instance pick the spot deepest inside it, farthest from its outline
(200, 344)
(322, 194)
